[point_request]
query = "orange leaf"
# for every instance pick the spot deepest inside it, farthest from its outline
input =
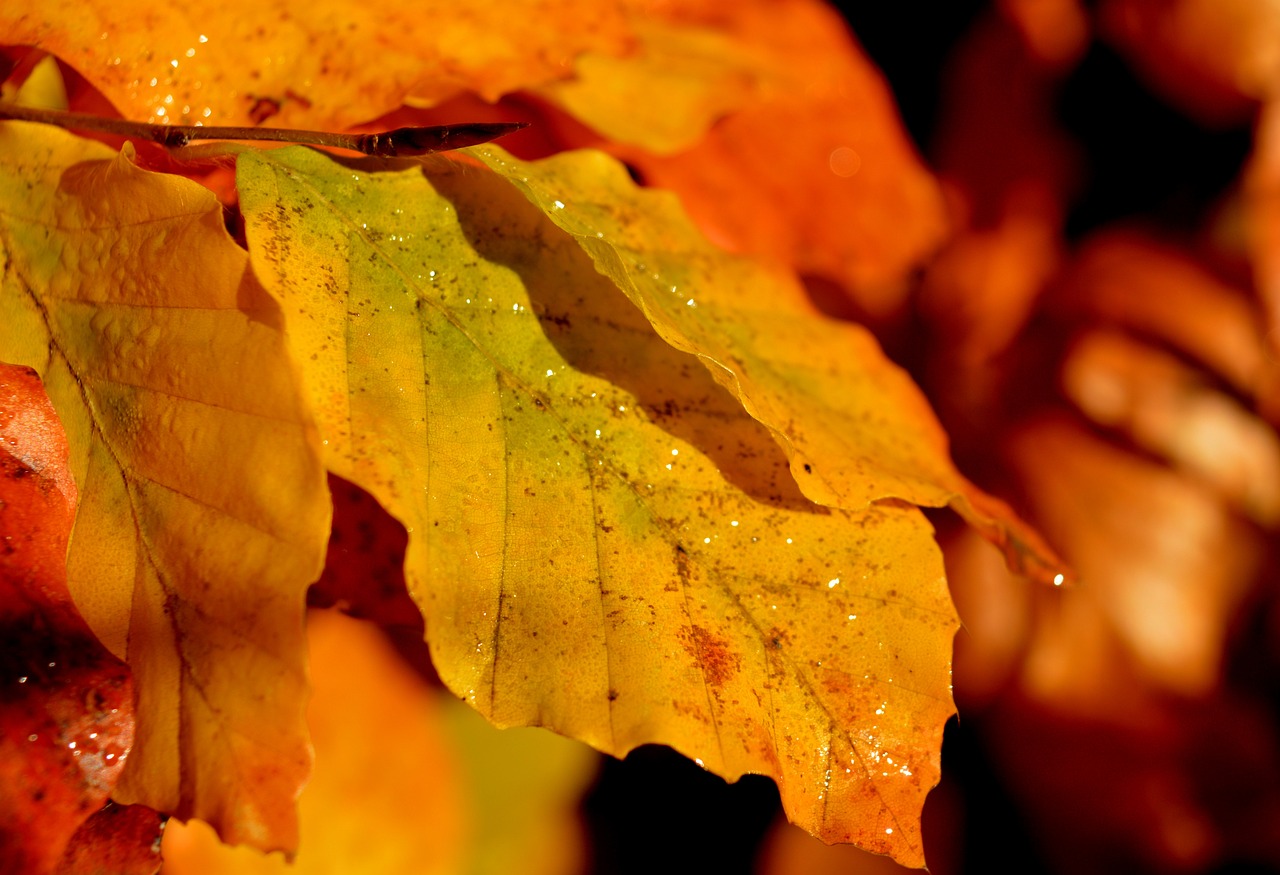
(1216, 58)
(66, 721)
(118, 840)
(814, 170)
(331, 65)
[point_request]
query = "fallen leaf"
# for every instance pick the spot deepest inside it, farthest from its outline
(601, 541)
(333, 65)
(395, 785)
(66, 720)
(203, 514)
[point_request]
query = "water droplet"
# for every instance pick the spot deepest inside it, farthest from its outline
(844, 162)
(831, 584)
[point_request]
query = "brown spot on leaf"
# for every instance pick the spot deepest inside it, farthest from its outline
(714, 654)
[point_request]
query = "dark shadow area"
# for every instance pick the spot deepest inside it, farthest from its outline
(600, 332)
(1143, 157)
(657, 812)
(911, 42)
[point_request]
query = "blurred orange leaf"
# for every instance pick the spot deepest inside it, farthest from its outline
(813, 170)
(1216, 58)
(393, 789)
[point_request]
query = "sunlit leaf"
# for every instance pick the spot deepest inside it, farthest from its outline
(601, 541)
(330, 65)
(203, 513)
(853, 425)
(395, 789)
(66, 715)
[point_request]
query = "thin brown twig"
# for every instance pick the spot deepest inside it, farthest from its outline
(399, 142)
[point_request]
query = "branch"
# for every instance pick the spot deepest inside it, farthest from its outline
(399, 142)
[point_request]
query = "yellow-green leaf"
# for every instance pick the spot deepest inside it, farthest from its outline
(601, 540)
(204, 510)
(855, 427)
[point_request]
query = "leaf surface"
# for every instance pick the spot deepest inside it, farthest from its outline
(330, 66)
(601, 541)
(854, 426)
(204, 510)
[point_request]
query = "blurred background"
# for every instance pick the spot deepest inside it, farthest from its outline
(1098, 336)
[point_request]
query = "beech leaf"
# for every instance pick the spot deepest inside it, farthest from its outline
(601, 540)
(203, 514)
(333, 65)
(854, 426)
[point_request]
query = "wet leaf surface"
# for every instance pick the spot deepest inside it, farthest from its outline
(328, 67)
(854, 427)
(601, 540)
(115, 840)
